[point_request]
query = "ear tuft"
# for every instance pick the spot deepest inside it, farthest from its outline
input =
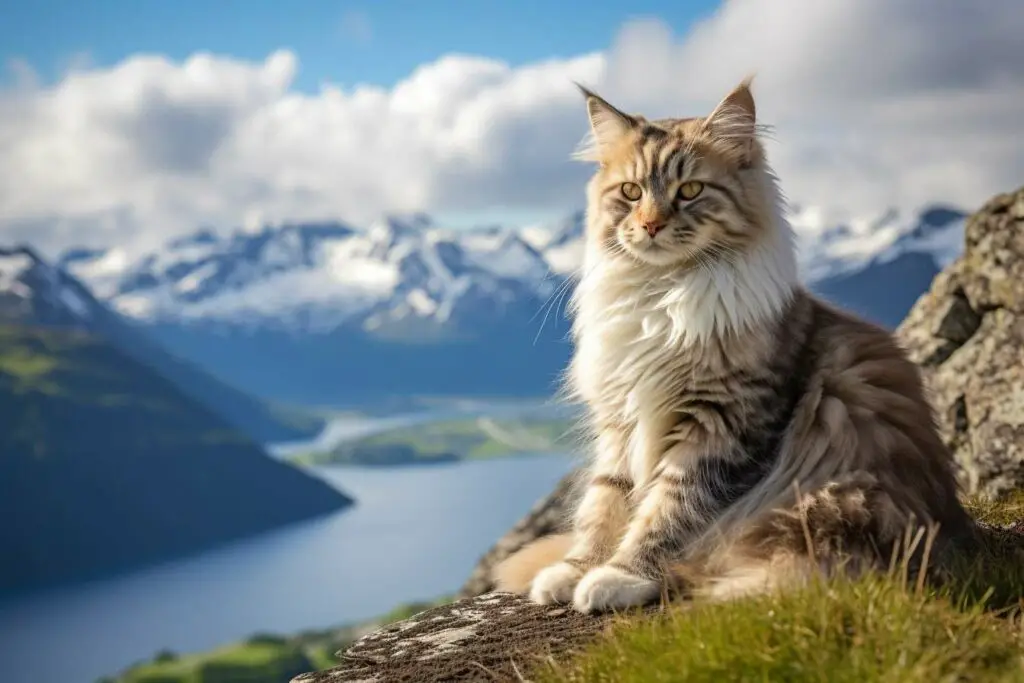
(734, 121)
(607, 125)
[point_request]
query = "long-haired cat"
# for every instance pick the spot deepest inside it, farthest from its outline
(745, 435)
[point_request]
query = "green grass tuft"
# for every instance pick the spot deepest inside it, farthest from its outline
(870, 630)
(997, 512)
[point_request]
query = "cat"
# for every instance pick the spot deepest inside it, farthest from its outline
(745, 435)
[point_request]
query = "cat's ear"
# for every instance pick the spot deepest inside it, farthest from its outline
(733, 122)
(607, 125)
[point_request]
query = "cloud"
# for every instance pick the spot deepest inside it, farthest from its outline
(874, 103)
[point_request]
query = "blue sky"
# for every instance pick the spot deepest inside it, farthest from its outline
(347, 43)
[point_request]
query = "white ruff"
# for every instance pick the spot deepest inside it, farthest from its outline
(633, 322)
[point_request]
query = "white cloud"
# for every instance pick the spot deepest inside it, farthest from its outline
(874, 102)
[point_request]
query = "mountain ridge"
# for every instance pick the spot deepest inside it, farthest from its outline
(108, 466)
(35, 293)
(406, 293)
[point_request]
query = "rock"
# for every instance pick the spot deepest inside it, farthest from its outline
(967, 333)
(548, 516)
(490, 637)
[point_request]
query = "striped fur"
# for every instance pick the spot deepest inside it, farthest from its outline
(745, 434)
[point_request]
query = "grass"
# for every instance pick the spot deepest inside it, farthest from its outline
(30, 366)
(1001, 512)
(241, 663)
(869, 630)
(262, 658)
(448, 440)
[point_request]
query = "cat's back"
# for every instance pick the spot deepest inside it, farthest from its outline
(866, 393)
(858, 359)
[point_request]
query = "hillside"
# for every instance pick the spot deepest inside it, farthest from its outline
(470, 438)
(33, 292)
(106, 465)
(262, 658)
(332, 313)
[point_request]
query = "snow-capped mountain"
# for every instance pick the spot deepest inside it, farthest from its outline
(34, 293)
(312, 311)
(401, 272)
(828, 250)
(878, 267)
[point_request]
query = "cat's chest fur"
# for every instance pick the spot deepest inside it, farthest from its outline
(635, 362)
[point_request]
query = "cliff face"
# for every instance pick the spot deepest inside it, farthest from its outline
(967, 333)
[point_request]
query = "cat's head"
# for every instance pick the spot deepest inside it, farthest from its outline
(677, 191)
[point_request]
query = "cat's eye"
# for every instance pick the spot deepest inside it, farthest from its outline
(691, 190)
(631, 191)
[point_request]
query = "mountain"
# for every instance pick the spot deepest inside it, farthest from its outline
(326, 313)
(32, 292)
(105, 465)
(879, 267)
(408, 307)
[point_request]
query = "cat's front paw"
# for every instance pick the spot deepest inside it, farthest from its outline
(555, 584)
(609, 588)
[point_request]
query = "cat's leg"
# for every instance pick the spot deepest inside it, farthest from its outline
(599, 522)
(683, 500)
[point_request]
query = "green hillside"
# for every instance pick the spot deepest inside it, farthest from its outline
(470, 438)
(263, 658)
(104, 464)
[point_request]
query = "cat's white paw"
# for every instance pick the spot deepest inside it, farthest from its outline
(555, 584)
(608, 588)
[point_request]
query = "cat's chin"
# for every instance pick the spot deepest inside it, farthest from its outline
(654, 255)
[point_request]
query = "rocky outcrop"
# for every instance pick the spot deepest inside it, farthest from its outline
(490, 637)
(967, 333)
(548, 516)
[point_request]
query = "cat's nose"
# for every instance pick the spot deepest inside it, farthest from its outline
(653, 228)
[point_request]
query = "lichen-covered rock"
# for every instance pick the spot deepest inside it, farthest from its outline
(548, 516)
(967, 333)
(490, 637)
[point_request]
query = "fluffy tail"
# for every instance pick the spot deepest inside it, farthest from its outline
(849, 526)
(515, 573)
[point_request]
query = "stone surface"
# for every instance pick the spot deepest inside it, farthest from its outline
(490, 637)
(548, 516)
(967, 333)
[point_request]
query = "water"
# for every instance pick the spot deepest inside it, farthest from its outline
(415, 534)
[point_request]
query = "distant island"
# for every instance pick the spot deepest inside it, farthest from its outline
(469, 438)
(107, 465)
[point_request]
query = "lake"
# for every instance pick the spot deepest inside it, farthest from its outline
(414, 534)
